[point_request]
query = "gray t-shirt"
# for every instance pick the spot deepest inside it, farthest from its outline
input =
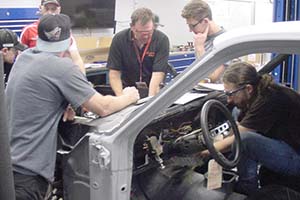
(39, 89)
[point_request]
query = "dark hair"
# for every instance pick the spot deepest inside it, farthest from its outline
(196, 9)
(242, 73)
(143, 14)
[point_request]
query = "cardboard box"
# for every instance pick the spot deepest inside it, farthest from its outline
(94, 55)
(255, 59)
(93, 49)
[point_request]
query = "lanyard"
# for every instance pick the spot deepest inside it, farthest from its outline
(141, 58)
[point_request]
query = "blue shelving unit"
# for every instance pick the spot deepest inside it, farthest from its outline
(288, 72)
(16, 18)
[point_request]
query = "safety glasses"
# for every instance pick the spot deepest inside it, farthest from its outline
(233, 92)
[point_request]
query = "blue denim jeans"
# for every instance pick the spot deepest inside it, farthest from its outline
(273, 154)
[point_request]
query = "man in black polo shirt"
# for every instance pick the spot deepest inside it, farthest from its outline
(138, 55)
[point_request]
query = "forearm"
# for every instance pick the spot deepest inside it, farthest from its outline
(115, 82)
(106, 105)
(154, 87)
(116, 86)
(199, 50)
(224, 144)
(77, 60)
(199, 44)
(221, 146)
(217, 74)
(80, 64)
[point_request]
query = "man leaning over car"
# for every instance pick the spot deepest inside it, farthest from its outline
(41, 85)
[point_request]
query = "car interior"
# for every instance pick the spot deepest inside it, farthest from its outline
(166, 161)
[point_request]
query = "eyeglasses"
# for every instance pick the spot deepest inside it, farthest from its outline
(144, 32)
(233, 92)
(192, 26)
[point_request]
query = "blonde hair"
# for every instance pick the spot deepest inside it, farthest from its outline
(196, 9)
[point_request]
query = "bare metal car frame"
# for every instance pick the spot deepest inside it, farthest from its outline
(111, 141)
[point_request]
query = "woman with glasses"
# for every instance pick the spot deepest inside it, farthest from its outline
(198, 16)
(268, 123)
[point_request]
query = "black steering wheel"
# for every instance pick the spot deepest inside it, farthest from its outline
(211, 110)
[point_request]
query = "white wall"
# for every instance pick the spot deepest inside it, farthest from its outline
(123, 12)
(169, 14)
(19, 3)
(227, 13)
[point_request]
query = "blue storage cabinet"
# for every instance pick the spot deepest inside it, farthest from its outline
(16, 18)
(179, 61)
(287, 72)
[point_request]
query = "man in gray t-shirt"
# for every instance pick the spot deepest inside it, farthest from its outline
(40, 87)
(198, 16)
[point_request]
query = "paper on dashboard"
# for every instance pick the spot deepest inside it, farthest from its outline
(189, 96)
(212, 86)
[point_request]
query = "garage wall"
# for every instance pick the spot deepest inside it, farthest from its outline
(19, 3)
(227, 13)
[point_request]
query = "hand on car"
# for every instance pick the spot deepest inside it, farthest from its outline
(132, 93)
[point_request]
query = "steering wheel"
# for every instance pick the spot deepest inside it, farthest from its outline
(211, 133)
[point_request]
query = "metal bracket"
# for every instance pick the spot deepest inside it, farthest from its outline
(222, 129)
(103, 157)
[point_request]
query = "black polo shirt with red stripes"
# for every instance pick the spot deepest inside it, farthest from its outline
(123, 57)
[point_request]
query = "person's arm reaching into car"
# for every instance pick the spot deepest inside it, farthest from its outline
(224, 145)
(105, 105)
(215, 76)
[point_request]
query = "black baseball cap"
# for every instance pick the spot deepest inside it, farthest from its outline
(54, 33)
(9, 39)
(156, 21)
(45, 2)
